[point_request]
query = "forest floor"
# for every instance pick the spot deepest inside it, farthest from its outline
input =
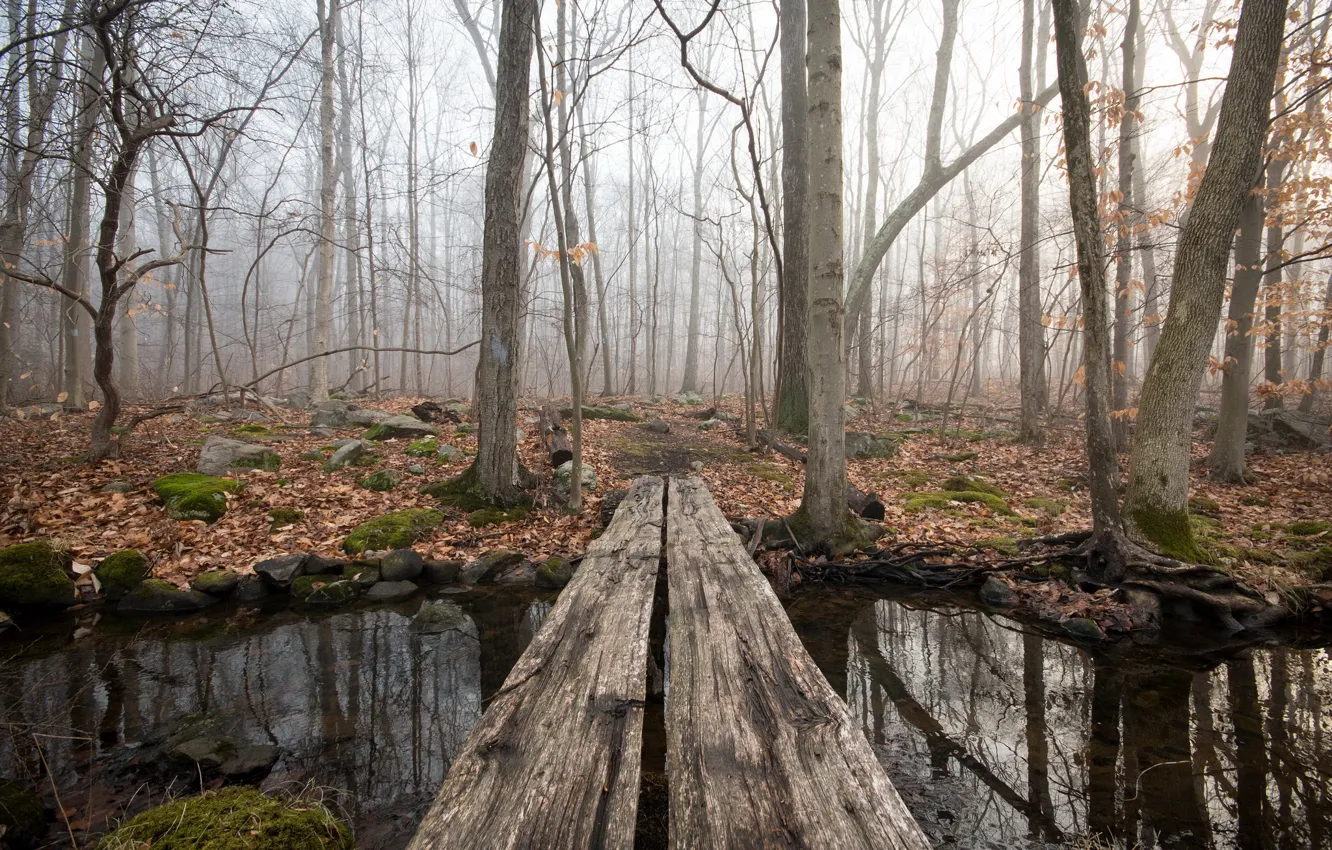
(48, 490)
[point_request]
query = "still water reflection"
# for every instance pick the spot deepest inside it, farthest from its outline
(996, 737)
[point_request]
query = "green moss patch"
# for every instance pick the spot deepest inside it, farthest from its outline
(22, 815)
(770, 472)
(122, 572)
(1171, 533)
(462, 492)
(239, 818)
(1205, 506)
(1308, 527)
(279, 517)
(612, 412)
(34, 574)
(317, 457)
(1051, 507)
(912, 478)
(397, 530)
(969, 484)
(427, 447)
(961, 457)
(381, 481)
(935, 501)
(195, 496)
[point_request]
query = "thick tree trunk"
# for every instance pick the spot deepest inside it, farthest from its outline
(1227, 457)
(690, 382)
(501, 261)
(1156, 505)
(1031, 332)
(1096, 362)
(824, 502)
(793, 364)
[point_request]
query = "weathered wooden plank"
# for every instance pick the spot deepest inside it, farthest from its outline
(555, 760)
(761, 751)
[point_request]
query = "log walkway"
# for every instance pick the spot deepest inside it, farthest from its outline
(761, 752)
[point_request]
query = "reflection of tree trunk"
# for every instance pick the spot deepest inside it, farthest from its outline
(942, 748)
(1038, 748)
(1157, 722)
(1103, 750)
(108, 729)
(1201, 690)
(1277, 735)
(335, 725)
(1250, 756)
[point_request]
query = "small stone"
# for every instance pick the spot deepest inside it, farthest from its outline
(117, 487)
(334, 593)
(709, 424)
(696, 465)
(656, 426)
(416, 469)
(346, 455)
(391, 591)
(121, 572)
(250, 762)
(216, 582)
(487, 568)
(82, 632)
(519, 435)
(1083, 628)
(401, 565)
(220, 456)
(250, 590)
(34, 574)
(154, 596)
(364, 575)
(207, 752)
(997, 594)
(381, 481)
(318, 565)
(321, 432)
(447, 452)
(438, 617)
(564, 475)
(281, 571)
(400, 427)
(464, 428)
(441, 572)
(555, 572)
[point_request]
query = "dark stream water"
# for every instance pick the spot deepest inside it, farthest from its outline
(996, 737)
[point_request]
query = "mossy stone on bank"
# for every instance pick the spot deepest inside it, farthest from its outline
(331, 593)
(239, 818)
(381, 481)
(554, 572)
(195, 496)
(612, 412)
(398, 530)
(216, 582)
(1308, 527)
(426, 447)
(154, 596)
(971, 484)
(933, 501)
(34, 574)
(120, 573)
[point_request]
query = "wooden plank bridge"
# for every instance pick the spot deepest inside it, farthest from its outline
(761, 751)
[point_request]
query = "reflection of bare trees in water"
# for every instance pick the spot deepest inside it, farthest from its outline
(355, 701)
(1019, 736)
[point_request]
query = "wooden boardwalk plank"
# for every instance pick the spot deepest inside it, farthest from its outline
(761, 751)
(555, 760)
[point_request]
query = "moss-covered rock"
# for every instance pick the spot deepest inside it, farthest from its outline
(398, 530)
(280, 517)
(120, 573)
(400, 427)
(195, 496)
(462, 491)
(220, 455)
(427, 447)
(485, 517)
(1051, 507)
(216, 582)
(154, 596)
(934, 501)
(961, 457)
(554, 572)
(1256, 501)
(381, 481)
(1314, 565)
(22, 816)
(315, 456)
(613, 412)
(971, 484)
(912, 478)
(1308, 527)
(34, 574)
(1204, 505)
(238, 818)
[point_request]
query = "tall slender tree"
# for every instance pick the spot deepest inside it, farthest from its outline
(793, 368)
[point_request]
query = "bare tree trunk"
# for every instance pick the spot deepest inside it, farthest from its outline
(1096, 362)
(328, 187)
(824, 503)
(690, 383)
(1319, 352)
(1273, 294)
(1123, 372)
(1227, 457)
(1031, 332)
(589, 186)
(351, 230)
(793, 362)
(1156, 504)
(632, 236)
(129, 328)
(501, 261)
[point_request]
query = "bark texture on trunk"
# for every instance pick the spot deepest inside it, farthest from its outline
(690, 382)
(1319, 353)
(1123, 372)
(1104, 477)
(501, 262)
(1156, 505)
(824, 503)
(328, 186)
(793, 374)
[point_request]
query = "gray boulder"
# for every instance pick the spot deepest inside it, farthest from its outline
(555, 572)
(318, 565)
(490, 567)
(391, 591)
(441, 572)
(438, 617)
(862, 445)
(216, 582)
(347, 454)
(281, 571)
(154, 596)
(1283, 429)
(333, 593)
(220, 456)
(401, 565)
(564, 475)
(401, 428)
(997, 594)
